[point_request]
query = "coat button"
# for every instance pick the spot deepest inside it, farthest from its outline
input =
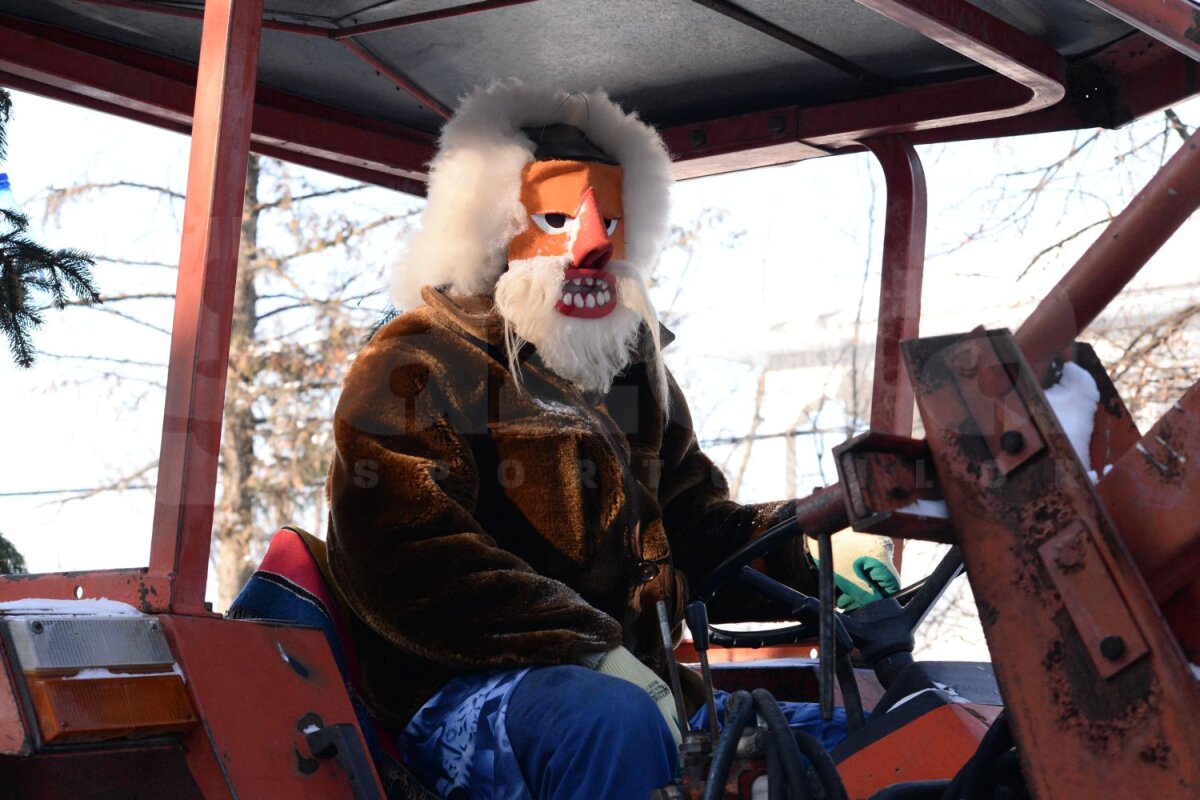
(648, 570)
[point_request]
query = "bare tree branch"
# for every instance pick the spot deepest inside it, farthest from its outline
(1060, 243)
(129, 262)
(287, 200)
(1176, 124)
(107, 359)
(130, 318)
(125, 482)
(117, 298)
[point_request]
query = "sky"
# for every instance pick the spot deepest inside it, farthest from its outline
(781, 263)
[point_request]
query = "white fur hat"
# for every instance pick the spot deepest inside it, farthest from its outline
(474, 208)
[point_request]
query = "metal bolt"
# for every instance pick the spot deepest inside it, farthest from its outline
(36, 626)
(1012, 442)
(1112, 647)
(1070, 554)
(698, 138)
(966, 362)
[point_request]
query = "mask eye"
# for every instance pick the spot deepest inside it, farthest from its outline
(610, 225)
(550, 223)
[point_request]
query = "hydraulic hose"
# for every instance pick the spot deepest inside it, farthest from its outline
(851, 698)
(827, 773)
(739, 709)
(776, 778)
(785, 744)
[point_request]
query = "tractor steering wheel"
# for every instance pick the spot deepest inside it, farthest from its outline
(880, 630)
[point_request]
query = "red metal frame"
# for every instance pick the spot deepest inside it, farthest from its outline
(1033, 78)
(161, 91)
(195, 399)
(422, 96)
(345, 36)
(1134, 77)
(900, 287)
(1174, 22)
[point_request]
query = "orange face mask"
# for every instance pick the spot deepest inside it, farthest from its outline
(571, 197)
(574, 210)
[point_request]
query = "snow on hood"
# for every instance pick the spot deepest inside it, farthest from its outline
(91, 607)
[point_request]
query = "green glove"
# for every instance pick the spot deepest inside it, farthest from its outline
(862, 568)
(620, 663)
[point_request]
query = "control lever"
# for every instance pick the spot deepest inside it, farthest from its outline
(697, 622)
(341, 742)
(664, 625)
(825, 631)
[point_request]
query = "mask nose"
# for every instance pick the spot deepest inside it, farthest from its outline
(592, 248)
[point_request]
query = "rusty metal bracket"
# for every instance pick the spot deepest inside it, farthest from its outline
(986, 386)
(1085, 582)
(884, 477)
(1089, 670)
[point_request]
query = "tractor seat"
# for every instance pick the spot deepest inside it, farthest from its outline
(292, 585)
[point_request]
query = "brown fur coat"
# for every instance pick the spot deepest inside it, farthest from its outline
(478, 524)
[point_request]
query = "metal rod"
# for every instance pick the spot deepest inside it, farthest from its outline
(826, 643)
(697, 620)
(427, 16)
(187, 473)
(840, 63)
(900, 287)
(1136, 234)
(416, 92)
(664, 625)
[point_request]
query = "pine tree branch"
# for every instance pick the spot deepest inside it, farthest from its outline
(5, 116)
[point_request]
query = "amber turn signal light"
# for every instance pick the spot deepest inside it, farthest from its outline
(112, 707)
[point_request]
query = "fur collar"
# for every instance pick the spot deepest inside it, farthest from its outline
(474, 208)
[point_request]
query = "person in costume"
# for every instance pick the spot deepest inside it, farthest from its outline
(517, 481)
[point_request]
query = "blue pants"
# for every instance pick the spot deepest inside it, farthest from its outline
(554, 733)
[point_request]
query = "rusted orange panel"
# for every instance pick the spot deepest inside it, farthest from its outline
(1151, 495)
(1180, 612)
(1113, 428)
(14, 740)
(1073, 698)
(931, 747)
(257, 687)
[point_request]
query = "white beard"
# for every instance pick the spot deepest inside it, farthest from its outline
(587, 352)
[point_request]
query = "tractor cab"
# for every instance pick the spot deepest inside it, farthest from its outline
(122, 683)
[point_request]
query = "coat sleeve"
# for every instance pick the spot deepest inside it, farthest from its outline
(704, 526)
(405, 549)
